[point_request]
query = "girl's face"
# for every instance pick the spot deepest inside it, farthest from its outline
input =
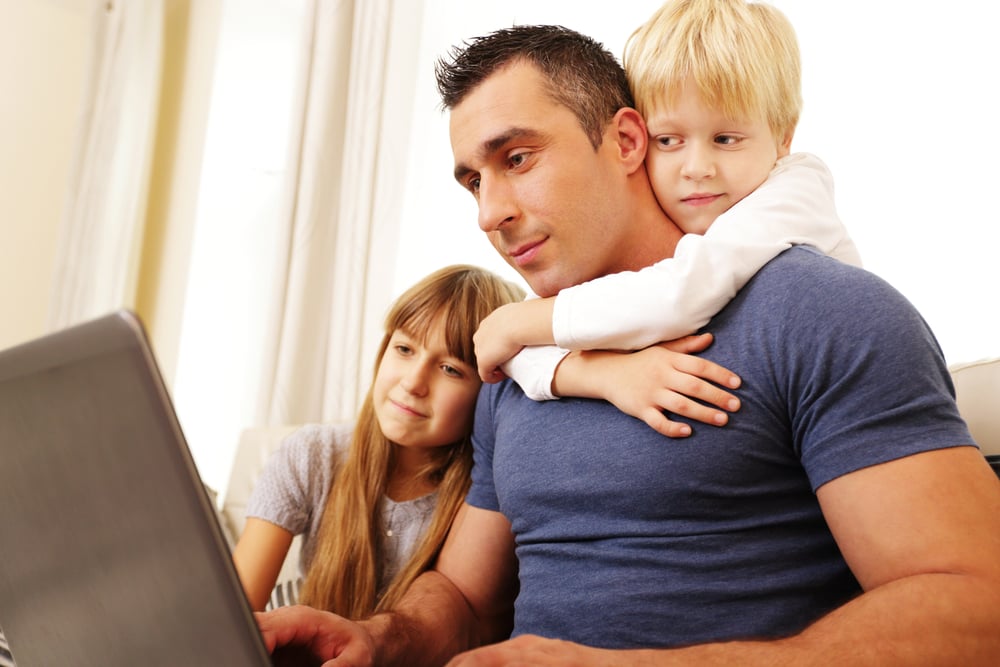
(423, 396)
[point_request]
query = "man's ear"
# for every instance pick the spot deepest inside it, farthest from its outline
(632, 137)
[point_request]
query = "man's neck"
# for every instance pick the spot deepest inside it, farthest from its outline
(656, 236)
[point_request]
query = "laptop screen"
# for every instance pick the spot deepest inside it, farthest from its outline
(110, 553)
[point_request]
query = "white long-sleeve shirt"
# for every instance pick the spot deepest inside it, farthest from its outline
(677, 296)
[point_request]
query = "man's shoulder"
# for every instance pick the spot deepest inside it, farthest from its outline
(808, 260)
(804, 269)
(803, 292)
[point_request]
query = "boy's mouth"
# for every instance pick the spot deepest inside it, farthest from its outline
(700, 199)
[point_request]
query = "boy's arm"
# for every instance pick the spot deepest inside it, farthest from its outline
(506, 330)
(643, 384)
(677, 296)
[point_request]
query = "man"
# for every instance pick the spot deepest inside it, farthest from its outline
(842, 517)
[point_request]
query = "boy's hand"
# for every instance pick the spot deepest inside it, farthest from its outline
(508, 329)
(664, 379)
(649, 383)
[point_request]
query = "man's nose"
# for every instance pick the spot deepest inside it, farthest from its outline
(496, 204)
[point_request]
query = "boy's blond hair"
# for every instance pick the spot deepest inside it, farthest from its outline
(742, 56)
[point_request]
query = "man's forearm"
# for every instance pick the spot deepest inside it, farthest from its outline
(431, 624)
(934, 619)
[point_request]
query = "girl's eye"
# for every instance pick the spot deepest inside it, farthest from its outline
(452, 371)
(403, 349)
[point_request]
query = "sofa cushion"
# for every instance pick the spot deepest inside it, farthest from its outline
(977, 386)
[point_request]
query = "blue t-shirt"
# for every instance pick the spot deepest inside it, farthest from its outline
(626, 538)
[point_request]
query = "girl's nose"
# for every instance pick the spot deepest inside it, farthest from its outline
(414, 380)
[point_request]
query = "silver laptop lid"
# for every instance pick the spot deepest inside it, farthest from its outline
(110, 553)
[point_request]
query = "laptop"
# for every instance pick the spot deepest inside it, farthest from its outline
(110, 551)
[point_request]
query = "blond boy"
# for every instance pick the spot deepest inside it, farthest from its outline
(718, 83)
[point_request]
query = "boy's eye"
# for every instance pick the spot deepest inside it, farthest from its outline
(667, 141)
(727, 140)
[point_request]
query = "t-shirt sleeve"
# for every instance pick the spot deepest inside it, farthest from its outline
(677, 296)
(867, 382)
(482, 493)
(287, 490)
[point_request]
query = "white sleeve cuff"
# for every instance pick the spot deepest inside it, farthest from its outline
(534, 368)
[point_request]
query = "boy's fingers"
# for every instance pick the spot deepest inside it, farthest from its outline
(689, 344)
(659, 422)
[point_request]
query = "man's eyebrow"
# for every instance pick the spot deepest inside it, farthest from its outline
(489, 147)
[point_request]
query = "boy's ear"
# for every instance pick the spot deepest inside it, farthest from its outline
(632, 137)
(785, 147)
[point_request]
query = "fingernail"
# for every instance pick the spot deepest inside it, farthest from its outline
(734, 382)
(733, 405)
(721, 418)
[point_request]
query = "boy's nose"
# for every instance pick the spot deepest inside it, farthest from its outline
(698, 165)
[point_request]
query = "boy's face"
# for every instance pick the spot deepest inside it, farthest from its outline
(700, 162)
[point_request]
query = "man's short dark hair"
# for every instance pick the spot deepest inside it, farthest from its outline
(582, 75)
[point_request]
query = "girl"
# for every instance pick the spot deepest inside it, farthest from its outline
(389, 489)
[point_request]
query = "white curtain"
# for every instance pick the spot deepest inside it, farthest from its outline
(101, 231)
(333, 288)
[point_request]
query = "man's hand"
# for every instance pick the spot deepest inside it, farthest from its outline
(508, 329)
(532, 650)
(332, 640)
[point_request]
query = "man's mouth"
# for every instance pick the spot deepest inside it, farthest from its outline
(525, 254)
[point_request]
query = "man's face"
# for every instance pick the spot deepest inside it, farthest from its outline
(700, 162)
(550, 203)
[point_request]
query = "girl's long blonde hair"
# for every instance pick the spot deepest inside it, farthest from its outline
(344, 574)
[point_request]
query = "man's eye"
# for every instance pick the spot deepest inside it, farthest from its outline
(473, 185)
(517, 159)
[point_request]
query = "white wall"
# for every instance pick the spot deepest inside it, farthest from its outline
(240, 204)
(43, 45)
(899, 102)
